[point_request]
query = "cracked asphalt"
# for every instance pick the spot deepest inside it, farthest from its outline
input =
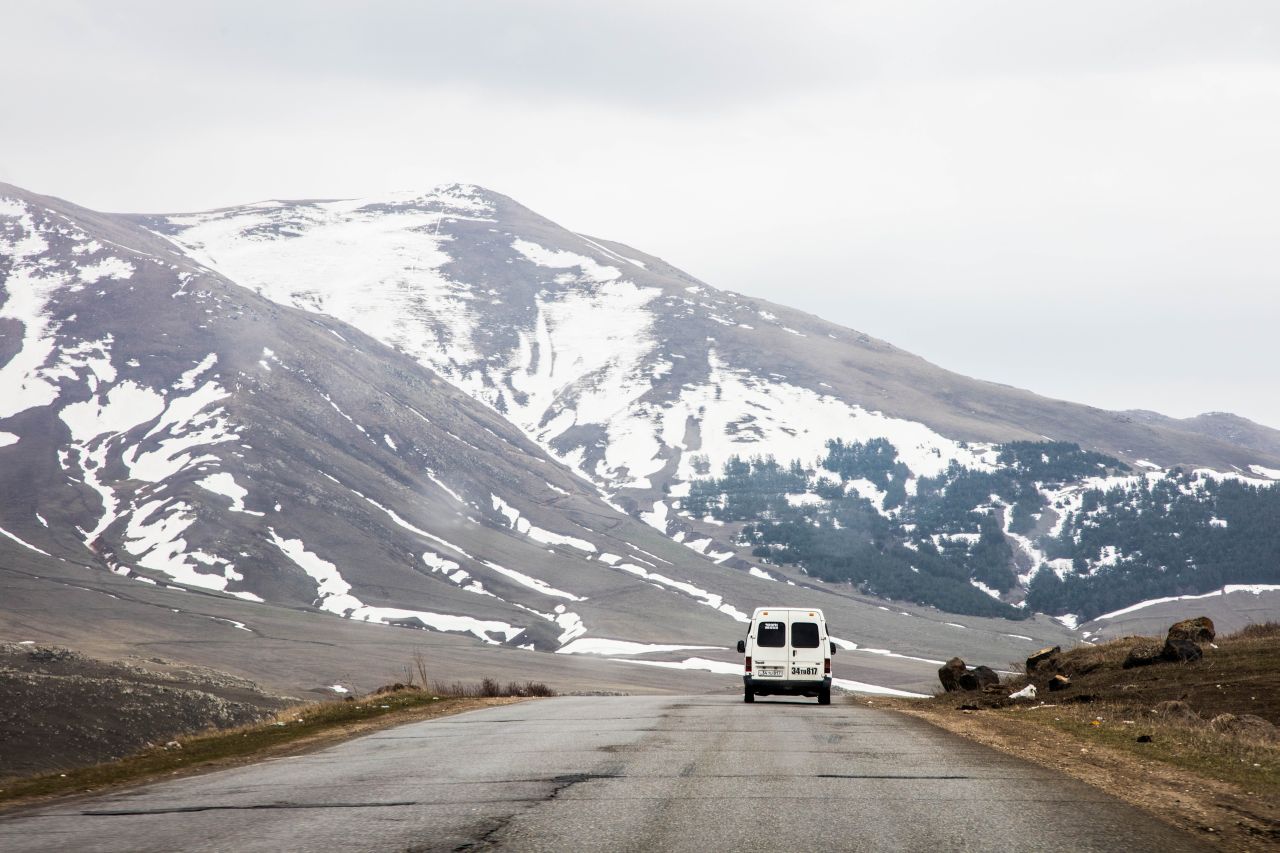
(665, 773)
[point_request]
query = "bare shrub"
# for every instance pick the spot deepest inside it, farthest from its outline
(1257, 631)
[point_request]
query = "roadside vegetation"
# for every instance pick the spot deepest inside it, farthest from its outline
(1194, 741)
(297, 729)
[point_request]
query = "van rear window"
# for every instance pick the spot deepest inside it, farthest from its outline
(804, 635)
(772, 634)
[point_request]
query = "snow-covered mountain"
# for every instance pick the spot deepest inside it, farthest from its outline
(442, 411)
(638, 376)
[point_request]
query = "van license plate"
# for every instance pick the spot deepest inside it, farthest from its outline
(769, 671)
(804, 670)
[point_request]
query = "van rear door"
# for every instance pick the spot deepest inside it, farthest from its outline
(807, 649)
(772, 660)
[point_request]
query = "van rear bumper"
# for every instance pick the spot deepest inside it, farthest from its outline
(773, 687)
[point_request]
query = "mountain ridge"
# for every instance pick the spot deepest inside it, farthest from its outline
(442, 411)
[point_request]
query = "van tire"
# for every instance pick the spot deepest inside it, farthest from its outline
(824, 696)
(748, 695)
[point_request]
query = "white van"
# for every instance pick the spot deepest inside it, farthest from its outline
(788, 653)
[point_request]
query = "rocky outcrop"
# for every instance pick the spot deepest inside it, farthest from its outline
(1197, 630)
(1045, 658)
(1059, 682)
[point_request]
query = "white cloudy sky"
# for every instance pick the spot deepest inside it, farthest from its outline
(1079, 198)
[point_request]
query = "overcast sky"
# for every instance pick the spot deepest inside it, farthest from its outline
(1080, 198)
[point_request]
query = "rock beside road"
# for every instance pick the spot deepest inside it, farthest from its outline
(949, 674)
(956, 675)
(1045, 657)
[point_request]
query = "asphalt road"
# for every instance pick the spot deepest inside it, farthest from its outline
(698, 773)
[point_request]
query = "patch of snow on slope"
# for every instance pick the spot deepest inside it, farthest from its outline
(710, 599)
(657, 518)
(7, 438)
(994, 593)
(522, 525)
(718, 667)
(1254, 589)
(125, 406)
(533, 583)
(28, 289)
(873, 689)
(580, 364)
(191, 421)
(601, 646)
(1271, 473)
(450, 492)
(373, 264)
(25, 544)
(223, 483)
(455, 574)
(110, 267)
(743, 415)
(589, 268)
(154, 536)
(187, 382)
(333, 594)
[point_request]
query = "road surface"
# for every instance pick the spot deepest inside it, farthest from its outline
(697, 773)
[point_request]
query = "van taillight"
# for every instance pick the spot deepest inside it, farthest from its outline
(826, 667)
(748, 663)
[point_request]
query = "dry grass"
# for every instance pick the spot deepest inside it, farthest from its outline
(488, 687)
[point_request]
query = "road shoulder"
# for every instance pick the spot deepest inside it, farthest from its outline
(1216, 812)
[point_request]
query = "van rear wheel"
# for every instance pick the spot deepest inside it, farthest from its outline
(824, 696)
(748, 695)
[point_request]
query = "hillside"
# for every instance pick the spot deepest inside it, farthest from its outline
(650, 383)
(441, 412)
(237, 462)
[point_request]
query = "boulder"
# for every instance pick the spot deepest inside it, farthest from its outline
(949, 674)
(978, 678)
(1245, 725)
(1044, 657)
(1143, 654)
(987, 677)
(1177, 711)
(1197, 630)
(1059, 682)
(1180, 651)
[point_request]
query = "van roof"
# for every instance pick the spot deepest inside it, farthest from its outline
(765, 611)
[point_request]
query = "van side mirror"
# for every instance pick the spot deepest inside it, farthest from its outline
(742, 647)
(833, 647)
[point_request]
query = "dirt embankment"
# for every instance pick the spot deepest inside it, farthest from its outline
(1195, 741)
(60, 710)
